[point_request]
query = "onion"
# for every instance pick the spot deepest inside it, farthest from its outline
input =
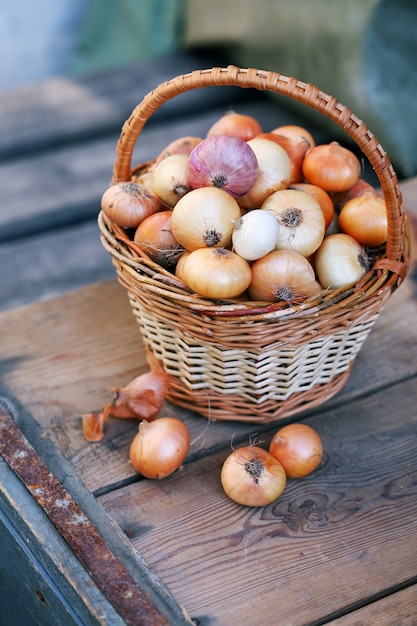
(364, 217)
(298, 448)
(322, 197)
(301, 220)
(154, 236)
(296, 141)
(340, 261)
(255, 234)
(160, 447)
(236, 125)
(182, 145)
(215, 273)
(127, 204)
(331, 166)
(252, 476)
(225, 162)
(274, 172)
(282, 276)
(357, 189)
(170, 179)
(297, 134)
(205, 217)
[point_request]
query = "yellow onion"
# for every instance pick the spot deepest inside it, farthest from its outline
(160, 447)
(298, 448)
(300, 218)
(282, 276)
(364, 217)
(252, 476)
(127, 204)
(205, 217)
(215, 273)
(170, 179)
(331, 166)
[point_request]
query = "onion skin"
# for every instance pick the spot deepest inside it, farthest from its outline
(282, 276)
(182, 145)
(127, 204)
(323, 198)
(215, 273)
(364, 217)
(252, 476)
(160, 447)
(274, 172)
(340, 261)
(236, 125)
(331, 167)
(255, 234)
(205, 217)
(301, 220)
(298, 448)
(142, 397)
(155, 238)
(225, 162)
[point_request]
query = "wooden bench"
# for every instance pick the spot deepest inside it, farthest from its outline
(337, 548)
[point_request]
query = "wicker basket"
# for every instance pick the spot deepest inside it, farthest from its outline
(246, 361)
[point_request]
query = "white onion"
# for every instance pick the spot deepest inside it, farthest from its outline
(255, 234)
(340, 261)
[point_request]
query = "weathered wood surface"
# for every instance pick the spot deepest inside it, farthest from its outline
(397, 608)
(334, 542)
(338, 546)
(280, 562)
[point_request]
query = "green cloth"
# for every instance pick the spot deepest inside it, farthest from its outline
(362, 52)
(119, 32)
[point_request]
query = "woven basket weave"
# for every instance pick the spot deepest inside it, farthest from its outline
(248, 361)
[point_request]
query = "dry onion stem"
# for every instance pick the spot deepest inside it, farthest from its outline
(141, 398)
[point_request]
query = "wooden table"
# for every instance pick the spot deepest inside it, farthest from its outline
(93, 543)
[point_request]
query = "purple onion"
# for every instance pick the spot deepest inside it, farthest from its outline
(225, 162)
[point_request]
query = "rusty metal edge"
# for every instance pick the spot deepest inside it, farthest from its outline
(107, 571)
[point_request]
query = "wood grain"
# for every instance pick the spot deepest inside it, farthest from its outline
(330, 539)
(397, 608)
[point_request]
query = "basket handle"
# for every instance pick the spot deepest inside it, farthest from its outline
(294, 89)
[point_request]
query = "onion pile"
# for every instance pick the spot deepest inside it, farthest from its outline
(269, 216)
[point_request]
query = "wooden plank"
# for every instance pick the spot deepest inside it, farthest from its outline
(334, 538)
(397, 608)
(52, 263)
(50, 582)
(66, 109)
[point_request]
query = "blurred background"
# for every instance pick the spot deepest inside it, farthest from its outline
(363, 52)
